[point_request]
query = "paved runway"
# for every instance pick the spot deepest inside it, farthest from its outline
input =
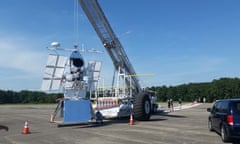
(188, 126)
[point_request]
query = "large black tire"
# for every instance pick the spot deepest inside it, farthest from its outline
(142, 107)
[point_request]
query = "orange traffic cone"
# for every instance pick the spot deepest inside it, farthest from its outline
(131, 120)
(51, 119)
(26, 128)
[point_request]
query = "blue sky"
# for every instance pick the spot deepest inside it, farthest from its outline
(179, 41)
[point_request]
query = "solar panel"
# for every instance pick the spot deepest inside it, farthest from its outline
(93, 73)
(53, 72)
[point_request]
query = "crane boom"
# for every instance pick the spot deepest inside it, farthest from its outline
(110, 41)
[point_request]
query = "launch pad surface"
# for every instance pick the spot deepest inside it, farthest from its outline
(183, 127)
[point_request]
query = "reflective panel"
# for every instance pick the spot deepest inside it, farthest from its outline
(53, 72)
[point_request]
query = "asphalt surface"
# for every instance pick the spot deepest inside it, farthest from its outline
(188, 126)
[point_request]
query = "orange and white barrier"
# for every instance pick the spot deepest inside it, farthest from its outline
(131, 122)
(106, 103)
(26, 128)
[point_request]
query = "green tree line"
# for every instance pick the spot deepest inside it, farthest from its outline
(222, 88)
(22, 97)
(217, 89)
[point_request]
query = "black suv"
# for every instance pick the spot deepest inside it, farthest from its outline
(225, 119)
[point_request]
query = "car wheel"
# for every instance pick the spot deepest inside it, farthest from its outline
(210, 127)
(224, 135)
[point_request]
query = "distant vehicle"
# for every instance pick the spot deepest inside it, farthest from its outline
(224, 118)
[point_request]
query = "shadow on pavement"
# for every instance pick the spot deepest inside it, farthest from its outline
(105, 123)
(174, 116)
(168, 114)
(4, 127)
(159, 116)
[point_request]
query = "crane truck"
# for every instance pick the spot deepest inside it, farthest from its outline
(124, 98)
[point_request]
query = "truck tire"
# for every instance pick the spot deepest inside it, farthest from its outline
(142, 107)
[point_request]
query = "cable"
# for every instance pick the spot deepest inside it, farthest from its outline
(75, 21)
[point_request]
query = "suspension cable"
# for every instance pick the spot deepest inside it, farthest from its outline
(75, 21)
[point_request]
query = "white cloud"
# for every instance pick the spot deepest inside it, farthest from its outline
(18, 53)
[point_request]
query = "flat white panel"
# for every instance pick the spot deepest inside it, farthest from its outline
(91, 65)
(50, 85)
(56, 60)
(53, 72)
(55, 85)
(58, 73)
(96, 75)
(62, 60)
(98, 66)
(52, 59)
(48, 72)
(94, 70)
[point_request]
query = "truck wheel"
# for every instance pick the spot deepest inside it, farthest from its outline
(142, 107)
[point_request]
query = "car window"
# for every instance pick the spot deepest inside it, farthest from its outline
(236, 107)
(224, 107)
(218, 106)
(221, 106)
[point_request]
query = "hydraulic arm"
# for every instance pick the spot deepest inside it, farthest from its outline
(110, 41)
